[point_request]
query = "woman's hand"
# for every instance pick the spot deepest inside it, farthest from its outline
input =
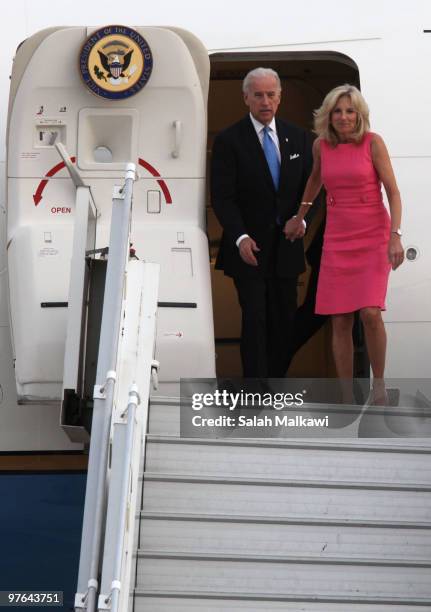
(294, 228)
(395, 251)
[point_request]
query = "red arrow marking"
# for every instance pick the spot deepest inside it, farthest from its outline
(161, 182)
(38, 195)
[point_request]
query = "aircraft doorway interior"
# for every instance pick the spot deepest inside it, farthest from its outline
(306, 77)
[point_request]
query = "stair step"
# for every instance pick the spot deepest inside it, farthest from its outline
(284, 559)
(164, 419)
(226, 602)
(234, 496)
(402, 445)
(279, 520)
(322, 461)
(284, 482)
(200, 535)
(305, 525)
(164, 416)
(314, 578)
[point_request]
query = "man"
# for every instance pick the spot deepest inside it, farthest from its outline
(259, 169)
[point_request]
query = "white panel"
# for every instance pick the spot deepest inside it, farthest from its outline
(182, 262)
(2, 185)
(408, 350)
(4, 298)
(28, 427)
(39, 274)
(55, 209)
(185, 337)
(153, 201)
(409, 294)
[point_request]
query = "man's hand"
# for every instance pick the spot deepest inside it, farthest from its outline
(247, 248)
(293, 229)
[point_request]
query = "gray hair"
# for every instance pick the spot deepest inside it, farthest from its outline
(258, 73)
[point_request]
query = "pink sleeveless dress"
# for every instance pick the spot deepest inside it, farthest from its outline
(355, 268)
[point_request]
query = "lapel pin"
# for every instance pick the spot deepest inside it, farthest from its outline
(287, 140)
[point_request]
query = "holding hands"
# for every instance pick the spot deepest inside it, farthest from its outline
(293, 229)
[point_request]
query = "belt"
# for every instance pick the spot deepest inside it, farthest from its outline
(371, 196)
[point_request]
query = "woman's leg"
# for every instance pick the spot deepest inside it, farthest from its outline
(342, 347)
(375, 337)
(342, 344)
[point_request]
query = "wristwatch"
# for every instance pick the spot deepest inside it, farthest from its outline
(397, 231)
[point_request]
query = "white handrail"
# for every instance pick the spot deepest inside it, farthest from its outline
(136, 362)
(96, 489)
(124, 498)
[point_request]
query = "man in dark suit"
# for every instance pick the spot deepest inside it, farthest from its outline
(259, 169)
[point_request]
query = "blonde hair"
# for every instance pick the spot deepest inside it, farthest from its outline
(322, 116)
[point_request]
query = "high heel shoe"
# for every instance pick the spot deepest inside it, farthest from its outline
(377, 397)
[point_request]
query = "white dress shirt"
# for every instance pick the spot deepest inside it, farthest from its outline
(259, 127)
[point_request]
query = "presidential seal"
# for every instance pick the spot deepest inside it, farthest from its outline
(115, 62)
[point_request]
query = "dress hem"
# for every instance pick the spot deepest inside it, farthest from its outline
(350, 310)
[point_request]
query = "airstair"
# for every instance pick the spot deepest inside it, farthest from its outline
(240, 524)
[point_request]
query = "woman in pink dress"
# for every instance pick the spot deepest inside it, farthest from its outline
(362, 241)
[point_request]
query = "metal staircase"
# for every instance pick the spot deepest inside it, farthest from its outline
(240, 524)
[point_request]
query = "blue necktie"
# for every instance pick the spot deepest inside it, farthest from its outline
(271, 154)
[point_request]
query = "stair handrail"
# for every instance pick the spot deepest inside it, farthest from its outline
(96, 488)
(135, 379)
(116, 582)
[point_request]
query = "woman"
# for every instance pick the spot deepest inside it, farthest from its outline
(362, 242)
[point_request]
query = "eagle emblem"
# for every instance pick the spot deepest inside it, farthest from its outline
(115, 62)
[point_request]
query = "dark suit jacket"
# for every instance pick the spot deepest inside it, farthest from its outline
(246, 202)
